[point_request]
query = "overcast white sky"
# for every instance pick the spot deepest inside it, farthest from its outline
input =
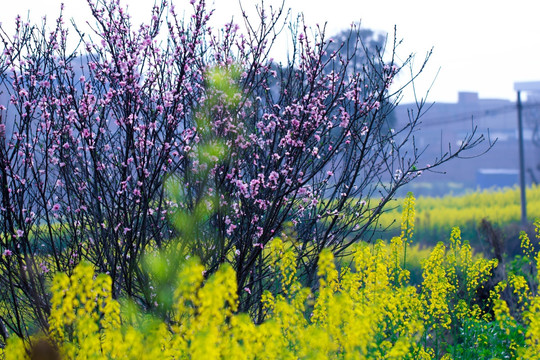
(479, 45)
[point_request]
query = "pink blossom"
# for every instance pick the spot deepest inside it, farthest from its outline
(364, 131)
(274, 176)
(7, 252)
(230, 229)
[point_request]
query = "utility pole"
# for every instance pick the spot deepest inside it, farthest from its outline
(532, 86)
(521, 160)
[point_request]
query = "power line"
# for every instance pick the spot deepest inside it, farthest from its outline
(468, 116)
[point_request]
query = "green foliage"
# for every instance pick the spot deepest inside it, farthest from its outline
(487, 340)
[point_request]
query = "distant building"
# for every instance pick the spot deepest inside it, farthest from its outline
(445, 125)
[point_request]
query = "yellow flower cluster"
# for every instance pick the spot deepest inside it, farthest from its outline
(367, 310)
(407, 217)
(82, 312)
(363, 312)
(532, 336)
(435, 215)
(437, 289)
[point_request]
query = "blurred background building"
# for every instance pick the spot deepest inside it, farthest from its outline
(445, 125)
